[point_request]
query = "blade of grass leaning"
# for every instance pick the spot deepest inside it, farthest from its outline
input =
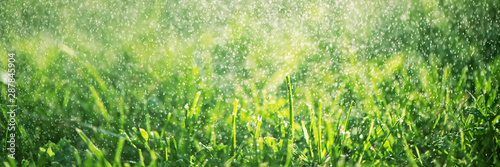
(153, 159)
(347, 119)
(313, 128)
(320, 149)
(193, 107)
(257, 140)
(345, 128)
(141, 158)
(235, 112)
(192, 113)
(92, 147)
(308, 141)
(89, 160)
(290, 128)
(367, 143)
(118, 153)
(334, 135)
(188, 125)
(331, 137)
(77, 157)
(100, 104)
(167, 150)
(409, 153)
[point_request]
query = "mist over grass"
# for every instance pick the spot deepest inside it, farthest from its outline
(154, 83)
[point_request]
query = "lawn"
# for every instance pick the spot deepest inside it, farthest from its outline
(250, 83)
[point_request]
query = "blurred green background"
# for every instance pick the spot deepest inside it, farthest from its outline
(108, 66)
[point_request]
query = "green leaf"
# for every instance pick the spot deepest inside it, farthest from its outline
(144, 134)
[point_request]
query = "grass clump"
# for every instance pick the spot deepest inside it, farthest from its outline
(169, 83)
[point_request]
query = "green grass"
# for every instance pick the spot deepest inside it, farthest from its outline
(306, 83)
(290, 129)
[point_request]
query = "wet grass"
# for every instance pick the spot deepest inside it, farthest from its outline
(239, 93)
(460, 130)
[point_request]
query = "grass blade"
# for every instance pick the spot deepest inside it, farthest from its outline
(320, 149)
(118, 153)
(235, 112)
(92, 147)
(290, 128)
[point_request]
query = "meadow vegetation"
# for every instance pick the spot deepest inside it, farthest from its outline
(253, 83)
